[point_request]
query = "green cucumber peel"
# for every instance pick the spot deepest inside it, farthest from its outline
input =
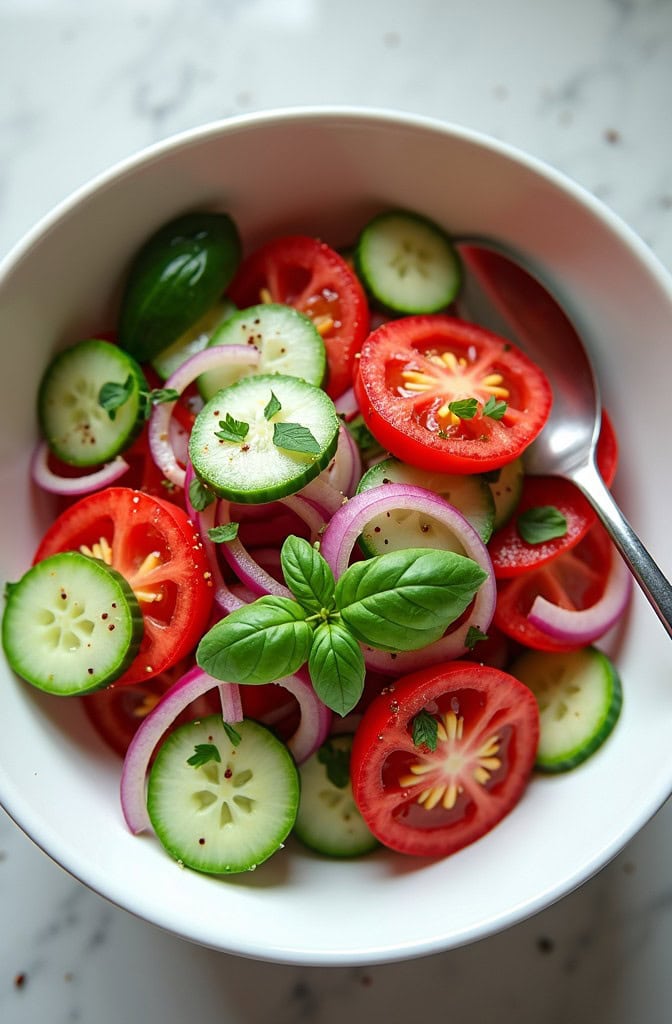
(411, 596)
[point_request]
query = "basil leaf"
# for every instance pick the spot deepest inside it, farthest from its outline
(336, 760)
(295, 438)
(541, 523)
(272, 407)
(260, 643)
(307, 575)
(425, 730)
(204, 753)
(232, 429)
(336, 666)
(222, 534)
(406, 599)
(464, 408)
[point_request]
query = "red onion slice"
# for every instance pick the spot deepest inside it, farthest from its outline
(244, 565)
(204, 520)
(188, 687)
(583, 627)
(340, 537)
(346, 405)
(210, 358)
(316, 717)
(73, 486)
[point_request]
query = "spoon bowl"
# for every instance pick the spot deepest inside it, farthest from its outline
(500, 293)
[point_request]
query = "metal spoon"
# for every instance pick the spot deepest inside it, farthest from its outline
(500, 294)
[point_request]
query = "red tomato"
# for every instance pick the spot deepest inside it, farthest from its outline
(511, 555)
(412, 369)
(155, 547)
(433, 803)
(573, 579)
(117, 712)
(305, 273)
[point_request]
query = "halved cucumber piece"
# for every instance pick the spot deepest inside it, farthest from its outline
(406, 529)
(219, 806)
(579, 695)
(71, 624)
(263, 438)
(193, 340)
(506, 486)
(287, 340)
(74, 423)
(408, 263)
(329, 821)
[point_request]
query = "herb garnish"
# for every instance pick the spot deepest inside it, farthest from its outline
(399, 601)
(232, 429)
(337, 762)
(425, 730)
(295, 438)
(204, 753)
(541, 523)
(224, 533)
(113, 395)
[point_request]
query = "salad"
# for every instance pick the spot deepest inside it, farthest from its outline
(296, 573)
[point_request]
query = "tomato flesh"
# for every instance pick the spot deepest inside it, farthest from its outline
(575, 579)
(303, 272)
(154, 545)
(412, 370)
(433, 803)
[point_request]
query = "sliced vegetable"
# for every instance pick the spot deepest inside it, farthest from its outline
(71, 625)
(408, 263)
(328, 820)
(263, 438)
(286, 341)
(222, 805)
(442, 756)
(56, 483)
(74, 418)
(449, 397)
(579, 695)
(176, 277)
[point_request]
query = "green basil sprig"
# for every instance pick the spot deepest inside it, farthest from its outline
(399, 601)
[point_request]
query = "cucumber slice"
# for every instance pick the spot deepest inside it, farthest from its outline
(506, 486)
(234, 807)
(71, 624)
(408, 263)
(403, 529)
(257, 464)
(287, 340)
(579, 695)
(77, 428)
(193, 340)
(177, 276)
(329, 821)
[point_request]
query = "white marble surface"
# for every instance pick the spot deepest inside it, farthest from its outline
(583, 84)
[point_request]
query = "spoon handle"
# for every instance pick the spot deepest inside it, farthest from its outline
(654, 584)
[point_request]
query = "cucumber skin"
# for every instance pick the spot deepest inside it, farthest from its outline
(614, 703)
(134, 369)
(128, 595)
(177, 275)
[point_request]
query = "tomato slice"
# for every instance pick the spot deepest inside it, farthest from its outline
(154, 545)
(304, 272)
(511, 555)
(411, 370)
(574, 579)
(433, 803)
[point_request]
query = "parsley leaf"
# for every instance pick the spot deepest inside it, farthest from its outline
(222, 534)
(272, 407)
(232, 734)
(204, 753)
(494, 408)
(295, 438)
(425, 730)
(541, 523)
(113, 395)
(473, 637)
(232, 429)
(337, 762)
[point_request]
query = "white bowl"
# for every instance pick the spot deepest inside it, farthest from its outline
(325, 171)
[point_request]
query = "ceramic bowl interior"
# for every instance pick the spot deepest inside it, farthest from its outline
(325, 172)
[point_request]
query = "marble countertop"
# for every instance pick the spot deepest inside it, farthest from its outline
(585, 85)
